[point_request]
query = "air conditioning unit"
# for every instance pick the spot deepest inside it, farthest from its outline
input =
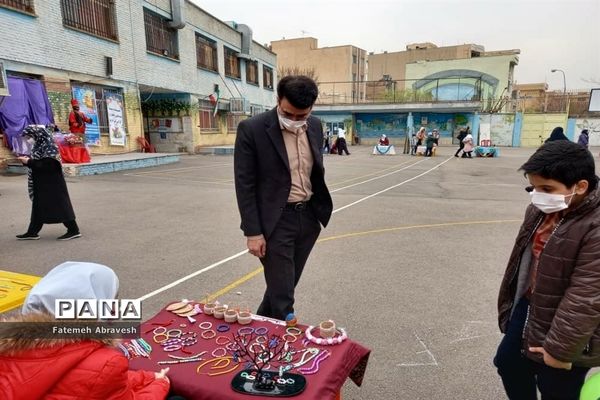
(239, 106)
(3, 82)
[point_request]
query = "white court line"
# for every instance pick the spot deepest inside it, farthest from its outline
(241, 253)
(377, 177)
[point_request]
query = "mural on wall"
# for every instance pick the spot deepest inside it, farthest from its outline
(395, 125)
(458, 84)
(374, 125)
(593, 127)
(499, 128)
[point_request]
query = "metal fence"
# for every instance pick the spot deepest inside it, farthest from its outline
(23, 5)
(93, 16)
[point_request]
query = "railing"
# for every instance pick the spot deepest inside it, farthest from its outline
(23, 5)
(160, 38)
(93, 16)
(403, 91)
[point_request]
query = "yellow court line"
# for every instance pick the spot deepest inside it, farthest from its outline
(257, 271)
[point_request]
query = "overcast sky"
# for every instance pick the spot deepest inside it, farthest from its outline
(563, 34)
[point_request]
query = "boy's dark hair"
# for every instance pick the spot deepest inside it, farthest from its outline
(301, 91)
(563, 161)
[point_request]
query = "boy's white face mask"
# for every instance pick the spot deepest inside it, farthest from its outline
(550, 203)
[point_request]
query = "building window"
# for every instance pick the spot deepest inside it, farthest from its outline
(267, 77)
(252, 72)
(232, 64)
(160, 38)
(206, 53)
(233, 120)
(353, 77)
(353, 59)
(20, 5)
(97, 17)
(208, 121)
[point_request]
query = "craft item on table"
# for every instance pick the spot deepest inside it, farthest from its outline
(267, 319)
(244, 318)
(223, 328)
(219, 312)
(254, 347)
(179, 361)
(314, 368)
(230, 316)
(261, 330)
(208, 334)
(160, 324)
(205, 325)
(221, 350)
(164, 334)
(135, 348)
(184, 310)
(222, 340)
(327, 329)
(209, 308)
(176, 306)
(342, 335)
(219, 364)
(292, 330)
(290, 320)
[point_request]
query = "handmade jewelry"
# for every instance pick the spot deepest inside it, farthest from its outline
(327, 329)
(227, 340)
(205, 325)
(261, 330)
(209, 308)
(172, 347)
(223, 328)
(176, 306)
(261, 339)
(189, 357)
(313, 352)
(219, 363)
(314, 368)
(289, 336)
(294, 331)
(174, 333)
(205, 334)
(246, 330)
(329, 341)
(219, 349)
(179, 361)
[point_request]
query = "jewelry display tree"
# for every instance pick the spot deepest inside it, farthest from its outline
(262, 354)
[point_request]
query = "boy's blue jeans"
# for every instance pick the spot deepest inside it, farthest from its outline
(521, 375)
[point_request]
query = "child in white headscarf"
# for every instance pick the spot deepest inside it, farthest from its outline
(37, 367)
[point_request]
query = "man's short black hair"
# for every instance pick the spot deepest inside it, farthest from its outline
(563, 161)
(301, 91)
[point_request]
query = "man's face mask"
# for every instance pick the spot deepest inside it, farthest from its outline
(550, 203)
(291, 125)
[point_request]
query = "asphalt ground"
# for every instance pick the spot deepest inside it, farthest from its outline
(410, 263)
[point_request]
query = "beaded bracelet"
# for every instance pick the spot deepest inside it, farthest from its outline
(223, 328)
(174, 333)
(205, 325)
(227, 340)
(163, 331)
(246, 330)
(292, 330)
(155, 338)
(291, 336)
(172, 347)
(208, 332)
(261, 330)
(329, 341)
(219, 355)
(261, 339)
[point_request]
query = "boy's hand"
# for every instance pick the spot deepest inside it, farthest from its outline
(551, 361)
(162, 374)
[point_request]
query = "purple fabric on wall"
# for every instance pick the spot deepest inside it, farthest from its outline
(27, 104)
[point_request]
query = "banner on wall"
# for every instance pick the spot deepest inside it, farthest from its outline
(87, 105)
(114, 109)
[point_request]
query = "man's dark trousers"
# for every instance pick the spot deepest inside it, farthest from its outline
(520, 374)
(288, 248)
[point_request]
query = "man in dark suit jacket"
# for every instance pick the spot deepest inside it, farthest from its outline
(281, 191)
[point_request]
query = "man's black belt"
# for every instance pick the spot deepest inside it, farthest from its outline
(299, 206)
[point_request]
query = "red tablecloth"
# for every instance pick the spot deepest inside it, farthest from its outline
(348, 359)
(74, 154)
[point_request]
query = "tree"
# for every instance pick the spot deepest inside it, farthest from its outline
(310, 72)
